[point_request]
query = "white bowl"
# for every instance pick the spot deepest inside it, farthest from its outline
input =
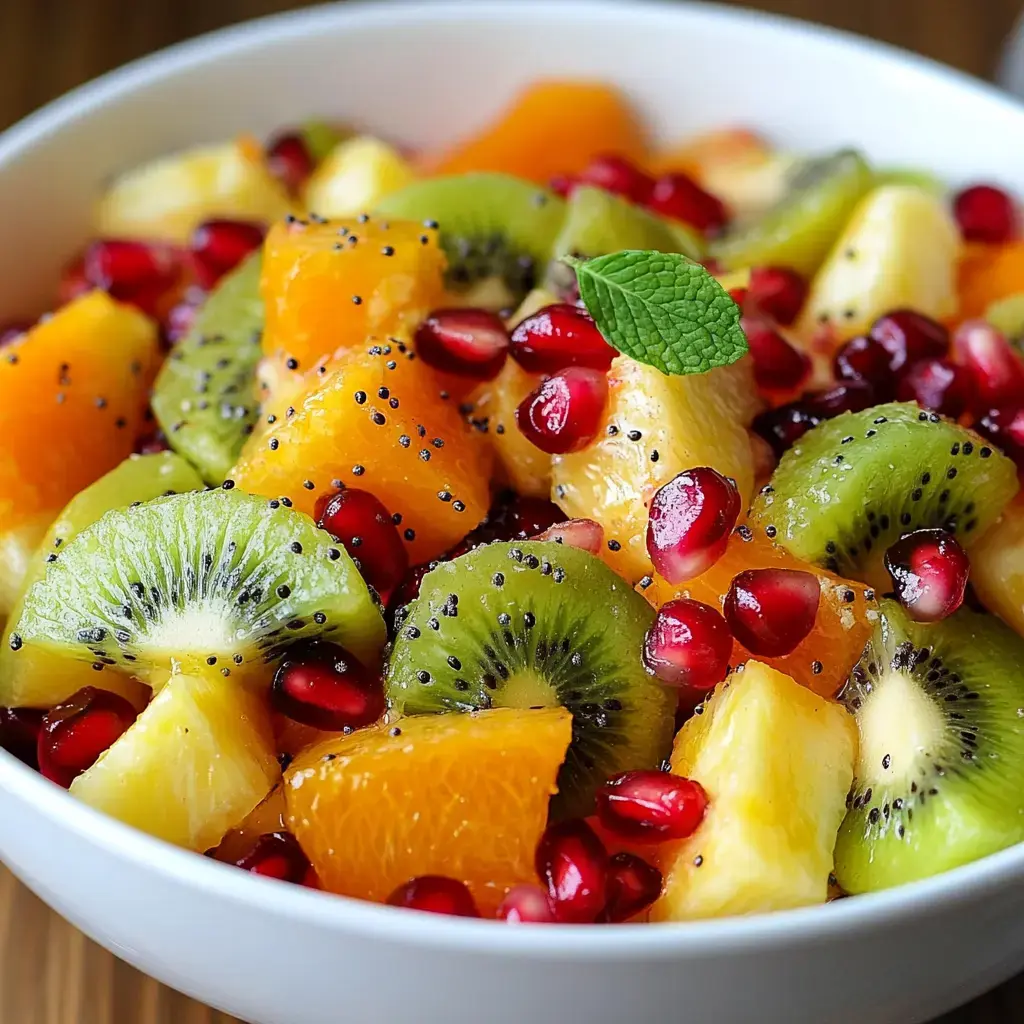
(278, 954)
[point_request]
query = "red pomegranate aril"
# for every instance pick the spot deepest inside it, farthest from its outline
(435, 894)
(937, 385)
(19, 733)
(1005, 429)
(558, 336)
(152, 443)
(778, 365)
(866, 359)
(779, 292)
(512, 517)
(681, 198)
(564, 414)
(618, 175)
(929, 573)
(407, 591)
(850, 396)
(180, 318)
(781, 428)
(584, 534)
(572, 864)
(564, 184)
(688, 645)
(13, 330)
(75, 733)
(771, 610)
(276, 855)
(290, 161)
(128, 269)
(365, 527)
(73, 282)
(985, 214)
(323, 685)
(218, 246)
(648, 806)
(632, 886)
(689, 523)
(909, 336)
(995, 371)
(469, 343)
(526, 904)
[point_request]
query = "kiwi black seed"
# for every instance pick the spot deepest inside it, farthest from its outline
(853, 485)
(204, 398)
(170, 583)
(940, 771)
(527, 624)
(492, 226)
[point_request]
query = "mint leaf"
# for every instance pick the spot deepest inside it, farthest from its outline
(662, 309)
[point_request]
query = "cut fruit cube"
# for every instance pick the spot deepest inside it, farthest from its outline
(462, 795)
(997, 567)
(776, 762)
(193, 765)
(355, 176)
(986, 274)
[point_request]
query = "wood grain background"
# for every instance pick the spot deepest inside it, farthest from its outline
(49, 973)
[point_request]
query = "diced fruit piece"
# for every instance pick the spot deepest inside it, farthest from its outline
(651, 806)
(169, 197)
(939, 777)
(196, 762)
(678, 196)
(689, 645)
(553, 127)
(435, 894)
(997, 567)
(985, 213)
(1007, 317)
(526, 904)
(355, 177)
(771, 611)
(218, 246)
(899, 249)
(375, 422)
(766, 840)
(654, 427)
(573, 867)
(276, 855)
(564, 413)
(463, 795)
(631, 887)
(857, 483)
(469, 342)
(986, 274)
(527, 624)
(929, 573)
(185, 583)
(994, 369)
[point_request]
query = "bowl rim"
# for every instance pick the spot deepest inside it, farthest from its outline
(807, 925)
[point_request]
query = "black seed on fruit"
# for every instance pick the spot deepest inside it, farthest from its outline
(15, 642)
(614, 545)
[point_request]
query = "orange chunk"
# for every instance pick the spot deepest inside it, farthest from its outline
(988, 273)
(463, 795)
(705, 153)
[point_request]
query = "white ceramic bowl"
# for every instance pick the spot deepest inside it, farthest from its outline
(279, 954)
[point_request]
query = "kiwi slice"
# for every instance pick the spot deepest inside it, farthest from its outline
(492, 226)
(537, 624)
(855, 484)
(204, 397)
(209, 580)
(799, 230)
(939, 779)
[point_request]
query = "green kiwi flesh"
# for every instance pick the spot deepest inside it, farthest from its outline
(940, 773)
(1007, 315)
(537, 624)
(213, 579)
(799, 230)
(491, 226)
(853, 485)
(204, 398)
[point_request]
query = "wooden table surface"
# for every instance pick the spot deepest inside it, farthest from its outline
(49, 973)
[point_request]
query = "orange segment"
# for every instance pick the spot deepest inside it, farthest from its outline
(553, 127)
(988, 273)
(463, 795)
(842, 628)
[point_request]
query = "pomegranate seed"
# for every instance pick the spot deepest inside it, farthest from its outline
(564, 185)
(632, 886)
(572, 865)
(13, 330)
(435, 894)
(688, 645)
(618, 175)
(584, 534)
(152, 443)
(128, 269)
(908, 337)
(181, 316)
(778, 365)
(467, 342)
(323, 685)
(937, 385)
(681, 198)
(526, 904)
(19, 733)
(512, 517)
(290, 161)
(1005, 428)
(73, 282)
(994, 369)
(850, 396)
(369, 534)
(781, 428)
(647, 806)
(929, 573)
(220, 245)
(771, 610)
(564, 414)
(75, 733)
(779, 292)
(276, 855)
(985, 214)
(691, 518)
(406, 592)
(559, 336)
(868, 360)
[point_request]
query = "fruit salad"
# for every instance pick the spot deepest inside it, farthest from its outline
(546, 527)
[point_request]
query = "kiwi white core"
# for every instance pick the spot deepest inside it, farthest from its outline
(194, 629)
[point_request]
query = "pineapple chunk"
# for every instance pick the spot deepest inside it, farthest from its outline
(899, 249)
(997, 567)
(193, 765)
(777, 763)
(168, 198)
(356, 176)
(678, 423)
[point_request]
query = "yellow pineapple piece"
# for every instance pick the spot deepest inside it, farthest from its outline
(997, 567)
(356, 175)
(193, 765)
(777, 763)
